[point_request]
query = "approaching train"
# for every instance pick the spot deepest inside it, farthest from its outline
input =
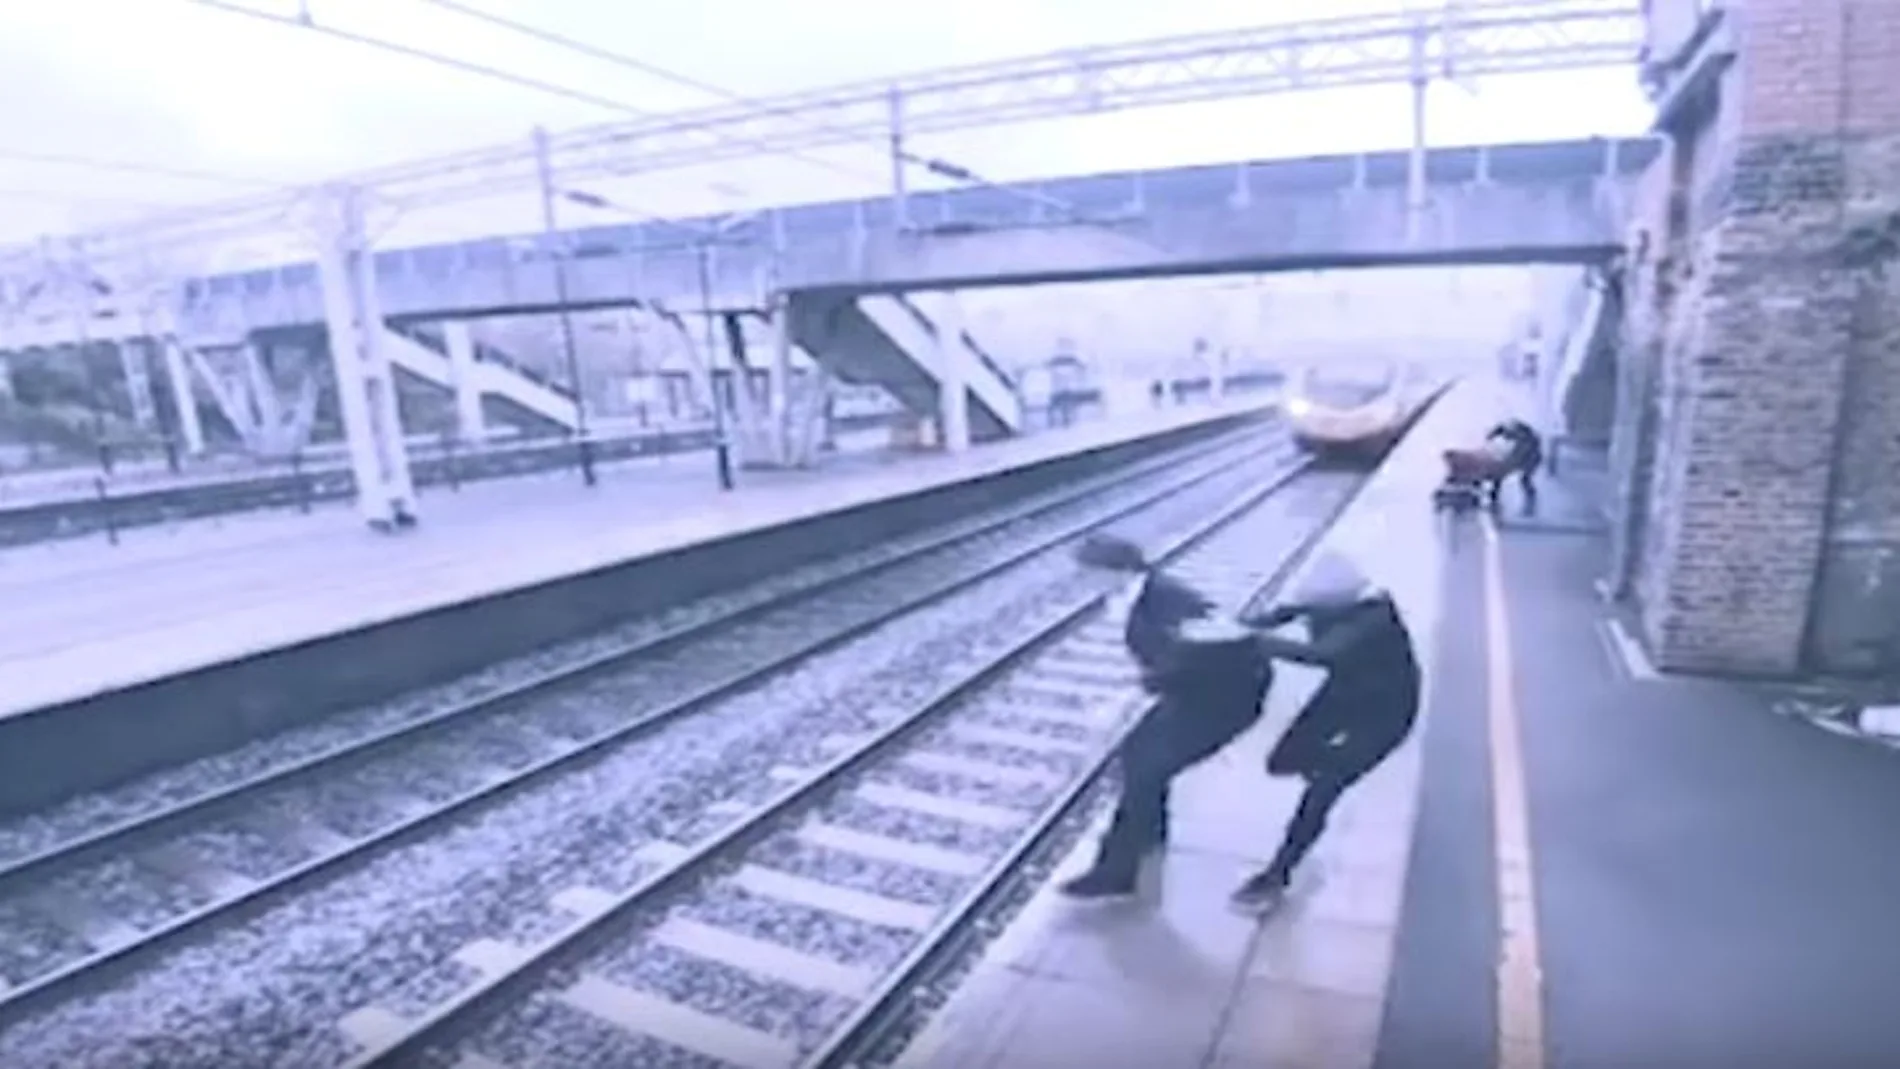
(1352, 410)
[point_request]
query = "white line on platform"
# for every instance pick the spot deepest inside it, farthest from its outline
(1629, 652)
(1881, 720)
(1612, 656)
(1520, 987)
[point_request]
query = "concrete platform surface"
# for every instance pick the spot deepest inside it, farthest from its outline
(82, 618)
(1713, 885)
(1179, 981)
(29, 487)
(664, 480)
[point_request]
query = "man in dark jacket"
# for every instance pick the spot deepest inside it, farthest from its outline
(1525, 457)
(1209, 677)
(1359, 716)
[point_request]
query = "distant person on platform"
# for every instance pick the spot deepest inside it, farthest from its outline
(1521, 450)
(1361, 713)
(1209, 676)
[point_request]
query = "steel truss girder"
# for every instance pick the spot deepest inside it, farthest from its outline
(1508, 36)
(1476, 39)
(180, 245)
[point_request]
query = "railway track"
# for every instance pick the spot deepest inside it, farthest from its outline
(113, 897)
(729, 951)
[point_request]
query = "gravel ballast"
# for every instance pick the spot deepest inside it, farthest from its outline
(282, 978)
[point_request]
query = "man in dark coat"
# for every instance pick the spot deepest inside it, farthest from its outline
(1209, 677)
(1361, 713)
(1525, 456)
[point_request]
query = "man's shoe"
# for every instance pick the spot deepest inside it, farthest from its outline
(1100, 885)
(1260, 895)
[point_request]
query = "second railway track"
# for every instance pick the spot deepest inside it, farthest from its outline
(61, 890)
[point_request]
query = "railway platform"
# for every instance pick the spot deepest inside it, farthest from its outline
(88, 618)
(78, 485)
(1575, 862)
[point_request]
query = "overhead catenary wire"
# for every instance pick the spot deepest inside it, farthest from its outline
(96, 163)
(55, 196)
(306, 21)
(942, 168)
(176, 225)
(240, 214)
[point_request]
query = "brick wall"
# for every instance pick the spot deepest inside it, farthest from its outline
(1856, 618)
(1638, 369)
(1772, 528)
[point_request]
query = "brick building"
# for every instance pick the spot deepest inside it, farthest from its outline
(1758, 397)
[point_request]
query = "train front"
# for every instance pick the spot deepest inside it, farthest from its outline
(1347, 410)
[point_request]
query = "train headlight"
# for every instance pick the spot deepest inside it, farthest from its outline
(1298, 406)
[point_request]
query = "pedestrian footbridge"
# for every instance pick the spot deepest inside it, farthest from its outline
(843, 279)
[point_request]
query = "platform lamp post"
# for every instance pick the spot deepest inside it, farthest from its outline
(551, 233)
(704, 238)
(702, 262)
(722, 445)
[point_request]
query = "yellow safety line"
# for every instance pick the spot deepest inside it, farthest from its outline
(1520, 980)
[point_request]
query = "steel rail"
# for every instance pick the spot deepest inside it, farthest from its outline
(105, 964)
(451, 1019)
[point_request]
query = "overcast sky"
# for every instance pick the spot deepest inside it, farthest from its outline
(170, 83)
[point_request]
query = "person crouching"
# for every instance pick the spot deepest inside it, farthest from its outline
(1209, 677)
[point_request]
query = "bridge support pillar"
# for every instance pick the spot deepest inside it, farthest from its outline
(366, 389)
(184, 394)
(471, 425)
(953, 376)
(1415, 173)
(778, 384)
(261, 384)
(746, 422)
(138, 382)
